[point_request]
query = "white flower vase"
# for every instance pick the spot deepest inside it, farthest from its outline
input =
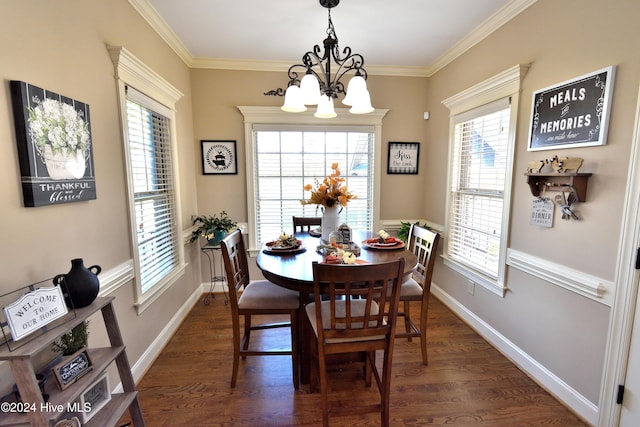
(330, 222)
(60, 166)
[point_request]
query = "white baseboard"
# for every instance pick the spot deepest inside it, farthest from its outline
(545, 378)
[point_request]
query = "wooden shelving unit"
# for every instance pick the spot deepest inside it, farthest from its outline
(564, 182)
(24, 376)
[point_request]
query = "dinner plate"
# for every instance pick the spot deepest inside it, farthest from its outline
(282, 250)
(274, 246)
(398, 244)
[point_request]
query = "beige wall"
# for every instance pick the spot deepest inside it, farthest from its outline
(61, 46)
(217, 94)
(563, 331)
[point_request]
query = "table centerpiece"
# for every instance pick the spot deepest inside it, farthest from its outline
(331, 195)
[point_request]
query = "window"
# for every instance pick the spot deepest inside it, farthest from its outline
(286, 160)
(286, 151)
(149, 138)
(479, 160)
(480, 170)
(149, 152)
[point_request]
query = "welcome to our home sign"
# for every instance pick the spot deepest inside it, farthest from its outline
(574, 113)
(34, 310)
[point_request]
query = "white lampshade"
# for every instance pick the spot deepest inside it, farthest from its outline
(356, 87)
(310, 89)
(325, 108)
(363, 104)
(293, 100)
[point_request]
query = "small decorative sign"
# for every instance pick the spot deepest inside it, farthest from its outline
(574, 113)
(403, 158)
(345, 233)
(219, 158)
(34, 310)
(94, 398)
(542, 212)
(72, 368)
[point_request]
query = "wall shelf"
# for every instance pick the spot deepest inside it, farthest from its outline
(562, 182)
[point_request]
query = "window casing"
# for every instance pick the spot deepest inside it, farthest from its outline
(147, 104)
(482, 139)
(278, 126)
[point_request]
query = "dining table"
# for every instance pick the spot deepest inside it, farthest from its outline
(293, 270)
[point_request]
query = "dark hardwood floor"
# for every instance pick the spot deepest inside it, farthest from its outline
(467, 382)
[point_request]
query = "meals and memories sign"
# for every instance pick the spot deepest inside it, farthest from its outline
(574, 113)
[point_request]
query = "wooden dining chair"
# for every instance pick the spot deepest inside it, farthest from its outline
(249, 299)
(359, 316)
(304, 223)
(423, 243)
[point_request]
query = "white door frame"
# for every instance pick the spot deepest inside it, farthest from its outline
(624, 305)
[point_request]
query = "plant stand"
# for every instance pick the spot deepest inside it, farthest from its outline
(209, 251)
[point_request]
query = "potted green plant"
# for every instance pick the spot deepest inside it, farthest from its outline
(212, 227)
(74, 340)
(405, 226)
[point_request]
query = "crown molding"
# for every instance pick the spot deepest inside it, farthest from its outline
(283, 66)
(149, 13)
(497, 20)
(501, 17)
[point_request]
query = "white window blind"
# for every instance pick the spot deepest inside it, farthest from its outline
(479, 166)
(149, 143)
(287, 159)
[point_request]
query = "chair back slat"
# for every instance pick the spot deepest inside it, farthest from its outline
(424, 244)
(363, 300)
(235, 264)
(302, 223)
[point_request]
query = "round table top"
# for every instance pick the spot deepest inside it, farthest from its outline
(293, 271)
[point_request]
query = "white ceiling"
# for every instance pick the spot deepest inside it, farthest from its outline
(400, 33)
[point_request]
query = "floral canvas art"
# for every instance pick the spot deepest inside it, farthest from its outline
(54, 146)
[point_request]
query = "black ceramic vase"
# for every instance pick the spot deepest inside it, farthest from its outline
(80, 285)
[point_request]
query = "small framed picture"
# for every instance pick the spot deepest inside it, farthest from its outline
(403, 158)
(94, 398)
(219, 157)
(72, 368)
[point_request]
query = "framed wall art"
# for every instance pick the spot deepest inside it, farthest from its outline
(219, 157)
(94, 398)
(403, 158)
(53, 134)
(574, 113)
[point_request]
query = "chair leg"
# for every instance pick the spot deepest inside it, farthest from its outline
(324, 389)
(385, 388)
(423, 331)
(236, 350)
(369, 366)
(407, 320)
(247, 333)
(295, 356)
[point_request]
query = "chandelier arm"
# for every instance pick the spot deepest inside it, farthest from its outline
(294, 77)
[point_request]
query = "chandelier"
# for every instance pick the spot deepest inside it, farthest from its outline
(318, 86)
